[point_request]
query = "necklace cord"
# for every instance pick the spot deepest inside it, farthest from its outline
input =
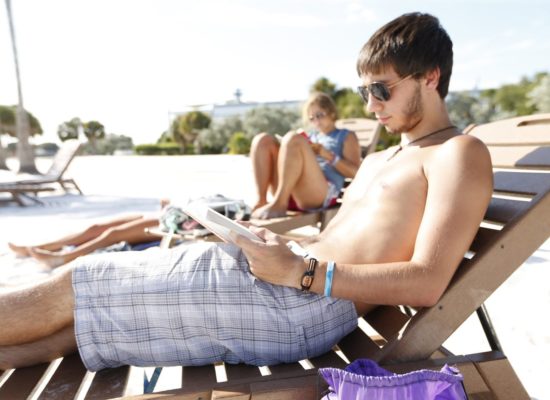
(400, 147)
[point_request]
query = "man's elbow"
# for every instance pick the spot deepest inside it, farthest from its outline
(428, 297)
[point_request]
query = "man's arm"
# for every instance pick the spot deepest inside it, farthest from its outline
(459, 188)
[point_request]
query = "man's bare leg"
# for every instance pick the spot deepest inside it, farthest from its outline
(264, 152)
(33, 312)
(75, 239)
(59, 344)
(132, 232)
(299, 176)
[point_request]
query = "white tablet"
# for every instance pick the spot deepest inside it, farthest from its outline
(217, 223)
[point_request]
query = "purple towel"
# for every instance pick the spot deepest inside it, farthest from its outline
(364, 379)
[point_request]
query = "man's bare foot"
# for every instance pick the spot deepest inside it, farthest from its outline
(21, 251)
(51, 259)
(268, 211)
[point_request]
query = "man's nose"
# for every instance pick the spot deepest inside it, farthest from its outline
(374, 105)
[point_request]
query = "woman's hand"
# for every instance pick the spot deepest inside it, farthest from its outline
(271, 261)
(320, 150)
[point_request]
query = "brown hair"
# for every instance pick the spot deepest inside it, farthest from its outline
(324, 102)
(413, 44)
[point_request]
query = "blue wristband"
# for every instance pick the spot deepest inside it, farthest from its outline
(328, 278)
(335, 160)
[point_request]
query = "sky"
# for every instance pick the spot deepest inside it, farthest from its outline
(133, 64)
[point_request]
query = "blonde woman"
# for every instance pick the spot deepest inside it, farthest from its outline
(305, 171)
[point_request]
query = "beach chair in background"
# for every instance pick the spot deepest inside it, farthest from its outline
(18, 192)
(367, 131)
(400, 339)
(26, 184)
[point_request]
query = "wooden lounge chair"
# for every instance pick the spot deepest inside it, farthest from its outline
(19, 192)
(401, 342)
(60, 163)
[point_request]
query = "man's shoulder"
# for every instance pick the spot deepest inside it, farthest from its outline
(461, 152)
(462, 146)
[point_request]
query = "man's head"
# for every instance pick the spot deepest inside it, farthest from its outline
(412, 45)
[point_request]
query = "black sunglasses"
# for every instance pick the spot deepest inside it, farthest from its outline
(379, 90)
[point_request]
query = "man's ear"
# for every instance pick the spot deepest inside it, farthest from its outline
(432, 78)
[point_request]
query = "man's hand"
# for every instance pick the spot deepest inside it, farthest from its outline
(271, 261)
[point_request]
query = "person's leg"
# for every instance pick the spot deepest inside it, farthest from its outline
(31, 313)
(75, 239)
(299, 176)
(264, 152)
(60, 343)
(132, 232)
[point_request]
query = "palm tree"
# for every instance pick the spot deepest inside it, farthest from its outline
(24, 149)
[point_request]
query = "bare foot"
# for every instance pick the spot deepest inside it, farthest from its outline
(50, 258)
(268, 211)
(21, 251)
(258, 205)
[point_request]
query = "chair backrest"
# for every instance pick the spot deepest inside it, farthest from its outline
(63, 158)
(367, 131)
(516, 224)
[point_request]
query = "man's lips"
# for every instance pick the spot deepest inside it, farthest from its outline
(382, 120)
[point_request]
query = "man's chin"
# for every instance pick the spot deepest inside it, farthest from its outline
(393, 131)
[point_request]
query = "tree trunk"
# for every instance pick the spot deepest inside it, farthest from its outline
(25, 152)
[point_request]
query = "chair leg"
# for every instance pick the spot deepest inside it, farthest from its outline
(488, 328)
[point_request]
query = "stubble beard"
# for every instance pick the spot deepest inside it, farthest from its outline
(412, 114)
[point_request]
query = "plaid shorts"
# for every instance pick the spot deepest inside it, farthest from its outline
(194, 305)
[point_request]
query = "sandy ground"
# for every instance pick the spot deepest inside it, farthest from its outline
(129, 184)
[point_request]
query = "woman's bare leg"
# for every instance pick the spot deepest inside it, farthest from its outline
(59, 344)
(299, 176)
(33, 312)
(132, 232)
(75, 239)
(264, 153)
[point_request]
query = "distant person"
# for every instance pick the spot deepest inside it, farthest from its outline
(304, 171)
(130, 229)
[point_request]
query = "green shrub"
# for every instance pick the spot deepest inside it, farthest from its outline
(157, 149)
(239, 143)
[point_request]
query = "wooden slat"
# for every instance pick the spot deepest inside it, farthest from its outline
(503, 210)
(330, 359)
(532, 157)
(483, 237)
(286, 369)
(241, 371)
(303, 388)
(386, 320)
(198, 377)
(66, 380)
(22, 381)
(358, 345)
(524, 130)
(529, 183)
(108, 383)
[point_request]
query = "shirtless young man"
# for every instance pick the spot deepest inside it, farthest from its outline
(405, 223)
